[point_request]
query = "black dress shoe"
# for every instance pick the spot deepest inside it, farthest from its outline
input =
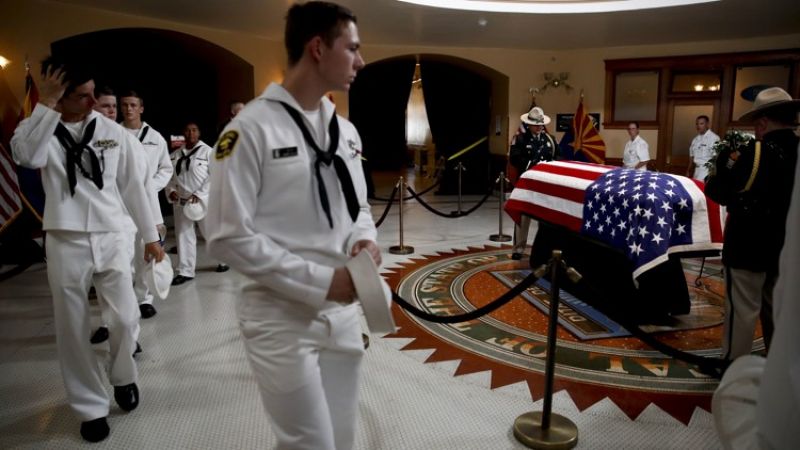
(222, 268)
(365, 340)
(101, 335)
(127, 396)
(180, 279)
(147, 310)
(516, 256)
(95, 430)
(138, 350)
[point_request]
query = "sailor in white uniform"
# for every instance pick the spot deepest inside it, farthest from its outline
(636, 154)
(159, 170)
(701, 150)
(189, 184)
(287, 208)
(90, 176)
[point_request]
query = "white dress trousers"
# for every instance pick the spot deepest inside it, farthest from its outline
(75, 261)
(307, 365)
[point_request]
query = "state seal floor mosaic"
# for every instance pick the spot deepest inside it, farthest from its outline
(198, 393)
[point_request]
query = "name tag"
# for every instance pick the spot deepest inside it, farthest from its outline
(285, 152)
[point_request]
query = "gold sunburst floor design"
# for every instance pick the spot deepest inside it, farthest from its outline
(511, 341)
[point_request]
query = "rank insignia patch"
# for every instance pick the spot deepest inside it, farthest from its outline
(226, 144)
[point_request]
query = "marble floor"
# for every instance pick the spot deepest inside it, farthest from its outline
(198, 392)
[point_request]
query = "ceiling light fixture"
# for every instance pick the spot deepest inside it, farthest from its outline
(4, 62)
(555, 7)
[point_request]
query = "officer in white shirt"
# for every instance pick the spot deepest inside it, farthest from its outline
(159, 169)
(189, 184)
(701, 150)
(288, 208)
(637, 153)
(90, 176)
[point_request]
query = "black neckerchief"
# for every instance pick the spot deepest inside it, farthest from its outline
(186, 158)
(144, 133)
(326, 158)
(74, 156)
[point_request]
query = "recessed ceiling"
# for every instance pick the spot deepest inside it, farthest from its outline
(392, 22)
(554, 6)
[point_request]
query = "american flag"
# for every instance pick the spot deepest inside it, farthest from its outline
(647, 215)
(10, 203)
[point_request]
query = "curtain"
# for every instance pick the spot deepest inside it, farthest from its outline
(457, 102)
(378, 100)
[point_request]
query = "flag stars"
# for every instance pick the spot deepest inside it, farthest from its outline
(637, 187)
(647, 214)
(621, 192)
(657, 238)
(622, 225)
(616, 212)
(597, 196)
(652, 185)
(669, 193)
(602, 208)
(590, 205)
(636, 196)
(625, 203)
(665, 205)
(635, 248)
(596, 216)
(643, 231)
(600, 228)
(671, 183)
(607, 189)
(637, 210)
(651, 196)
(661, 222)
(681, 229)
(683, 203)
(608, 220)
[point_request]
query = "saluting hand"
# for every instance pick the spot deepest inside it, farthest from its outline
(52, 87)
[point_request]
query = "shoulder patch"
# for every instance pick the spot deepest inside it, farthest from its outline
(226, 144)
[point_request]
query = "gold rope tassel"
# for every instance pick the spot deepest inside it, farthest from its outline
(754, 172)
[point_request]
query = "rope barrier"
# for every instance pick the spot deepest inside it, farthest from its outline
(467, 148)
(483, 310)
(423, 192)
(709, 366)
(388, 207)
(422, 202)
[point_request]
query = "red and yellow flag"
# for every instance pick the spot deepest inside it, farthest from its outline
(587, 139)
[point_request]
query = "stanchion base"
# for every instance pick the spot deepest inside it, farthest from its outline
(499, 238)
(456, 213)
(401, 249)
(562, 433)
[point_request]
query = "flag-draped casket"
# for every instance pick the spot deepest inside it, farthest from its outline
(647, 217)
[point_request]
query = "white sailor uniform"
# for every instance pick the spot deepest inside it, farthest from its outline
(701, 151)
(636, 151)
(190, 177)
(266, 220)
(86, 243)
(159, 169)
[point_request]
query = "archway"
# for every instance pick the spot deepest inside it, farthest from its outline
(181, 77)
(461, 98)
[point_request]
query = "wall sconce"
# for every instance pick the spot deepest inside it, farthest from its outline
(4, 62)
(553, 81)
(698, 87)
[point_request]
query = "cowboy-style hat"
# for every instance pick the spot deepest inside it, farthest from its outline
(535, 117)
(767, 99)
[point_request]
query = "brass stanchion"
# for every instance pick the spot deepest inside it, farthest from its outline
(460, 168)
(401, 249)
(545, 429)
(500, 237)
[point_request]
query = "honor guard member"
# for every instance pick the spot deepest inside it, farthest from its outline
(755, 184)
(701, 150)
(189, 184)
(527, 150)
(288, 208)
(90, 176)
(636, 154)
(159, 170)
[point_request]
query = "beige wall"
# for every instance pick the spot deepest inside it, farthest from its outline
(28, 27)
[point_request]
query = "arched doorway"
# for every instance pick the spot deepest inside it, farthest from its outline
(181, 77)
(459, 98)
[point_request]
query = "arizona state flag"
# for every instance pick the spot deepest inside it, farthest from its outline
(583, 142)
